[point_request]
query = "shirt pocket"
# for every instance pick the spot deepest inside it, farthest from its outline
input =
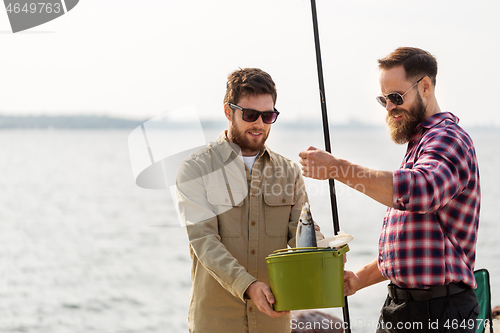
(228, 215)
(277, 210)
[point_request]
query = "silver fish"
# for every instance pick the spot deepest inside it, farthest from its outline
(306, 233)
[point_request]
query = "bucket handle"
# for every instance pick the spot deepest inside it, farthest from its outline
(344, 249)
(337, 253)
(297, 248)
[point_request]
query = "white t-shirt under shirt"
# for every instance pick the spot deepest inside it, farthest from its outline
(249, 161)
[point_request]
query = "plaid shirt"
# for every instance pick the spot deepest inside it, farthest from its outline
(429, 237)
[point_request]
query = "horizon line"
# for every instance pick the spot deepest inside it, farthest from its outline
(92, 121)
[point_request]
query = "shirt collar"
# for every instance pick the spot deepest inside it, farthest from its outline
(432, 121)
(226, 148)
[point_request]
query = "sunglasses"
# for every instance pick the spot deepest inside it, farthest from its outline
(249, 115)
(394, 97)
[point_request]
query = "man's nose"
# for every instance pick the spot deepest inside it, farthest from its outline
(259, 122)
(390, 105)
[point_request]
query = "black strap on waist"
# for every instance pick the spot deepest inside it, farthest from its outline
(420, 295)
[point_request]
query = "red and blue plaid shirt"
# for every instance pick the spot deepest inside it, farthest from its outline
(429, 237)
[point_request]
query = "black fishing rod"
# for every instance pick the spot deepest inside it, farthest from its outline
(326, 133)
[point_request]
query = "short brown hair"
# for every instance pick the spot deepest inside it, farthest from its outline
(416, 62)
(248, 82)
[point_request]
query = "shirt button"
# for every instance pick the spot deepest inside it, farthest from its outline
(250, 309)
(253, 252)
(253, 223)
(283, 200)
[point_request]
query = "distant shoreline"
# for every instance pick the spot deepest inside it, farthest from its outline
(106, 122)
(66, 122)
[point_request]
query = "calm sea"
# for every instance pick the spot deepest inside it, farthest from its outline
(83, 249)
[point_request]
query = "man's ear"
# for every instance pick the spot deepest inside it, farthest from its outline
(426, 86)
(227, 112)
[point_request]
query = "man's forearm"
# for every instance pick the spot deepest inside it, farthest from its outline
(376, 184)
(319, 164)
(370, 274)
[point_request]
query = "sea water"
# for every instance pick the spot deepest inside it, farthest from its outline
(83, 249)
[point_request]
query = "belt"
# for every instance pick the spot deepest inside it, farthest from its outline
(406, 294)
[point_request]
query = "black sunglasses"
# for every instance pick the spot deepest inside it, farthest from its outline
(249, 115)
(395, 97)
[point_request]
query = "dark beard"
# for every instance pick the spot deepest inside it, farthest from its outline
(238, 137)
(402, 131)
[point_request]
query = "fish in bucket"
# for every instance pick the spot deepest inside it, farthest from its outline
(310, 276)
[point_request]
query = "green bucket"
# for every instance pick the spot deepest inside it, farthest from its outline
(307, 278)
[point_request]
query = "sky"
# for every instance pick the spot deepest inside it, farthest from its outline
(140, 59)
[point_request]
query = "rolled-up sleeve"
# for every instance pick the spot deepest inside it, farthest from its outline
(440, 173)
(202, 228)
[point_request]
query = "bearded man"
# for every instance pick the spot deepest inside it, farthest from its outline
(427, 247)
(240, 201)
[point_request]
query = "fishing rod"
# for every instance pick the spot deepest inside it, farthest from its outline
(326, 133)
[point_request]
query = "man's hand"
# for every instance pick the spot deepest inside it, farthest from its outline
(261, 295)
(319, 235)
(363, 278)
(316, 163)
(351, 283)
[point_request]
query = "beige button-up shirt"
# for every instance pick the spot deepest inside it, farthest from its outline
(235, 219)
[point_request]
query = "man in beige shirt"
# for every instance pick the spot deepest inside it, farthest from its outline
(240, 201)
